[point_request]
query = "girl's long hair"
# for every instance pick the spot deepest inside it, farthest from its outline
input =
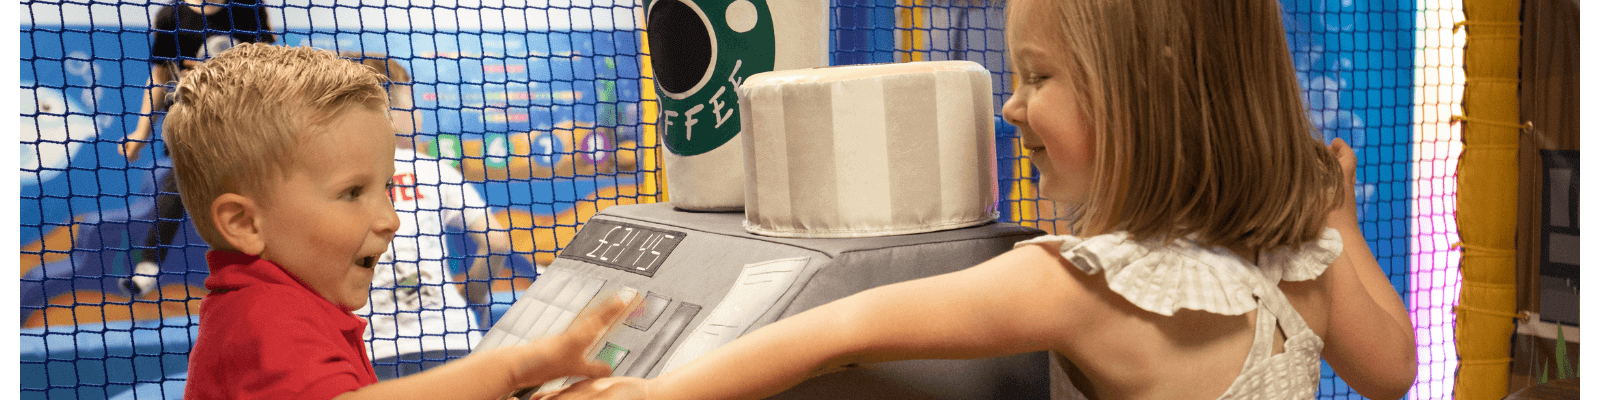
(1200, 123)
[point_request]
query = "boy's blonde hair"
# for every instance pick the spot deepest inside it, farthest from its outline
(237, 120)
(1197, 113)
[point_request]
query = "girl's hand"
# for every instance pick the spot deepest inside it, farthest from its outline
(1346, 211)
(614, 388)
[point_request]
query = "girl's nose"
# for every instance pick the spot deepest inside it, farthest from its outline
(1015, 110)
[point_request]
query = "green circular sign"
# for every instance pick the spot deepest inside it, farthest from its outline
(700, 52)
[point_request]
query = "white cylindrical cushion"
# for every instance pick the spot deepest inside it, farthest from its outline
(869, 150)
(714, 180)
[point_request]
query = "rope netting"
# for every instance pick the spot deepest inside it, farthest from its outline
(540, 105)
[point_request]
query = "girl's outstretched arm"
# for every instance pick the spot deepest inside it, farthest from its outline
(1370, 340)
(1018, 302)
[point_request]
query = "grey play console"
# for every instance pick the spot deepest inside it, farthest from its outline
(707, 281)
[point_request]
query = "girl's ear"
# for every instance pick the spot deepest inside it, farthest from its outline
(236, 218)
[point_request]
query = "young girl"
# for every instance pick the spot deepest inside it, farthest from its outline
(1215, 254)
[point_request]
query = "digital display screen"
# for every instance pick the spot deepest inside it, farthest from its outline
(623, 246)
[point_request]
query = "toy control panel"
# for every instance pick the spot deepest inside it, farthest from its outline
(706, 281)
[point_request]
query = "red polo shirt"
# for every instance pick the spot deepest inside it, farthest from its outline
(266, 335)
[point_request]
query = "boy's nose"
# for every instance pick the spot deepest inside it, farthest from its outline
(388, 221)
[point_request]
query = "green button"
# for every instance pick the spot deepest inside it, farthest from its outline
(612, 355)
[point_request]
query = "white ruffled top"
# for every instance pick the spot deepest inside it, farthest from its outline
(1164, 278)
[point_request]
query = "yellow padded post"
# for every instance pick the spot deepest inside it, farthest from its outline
(912, 20)
(1487, 205)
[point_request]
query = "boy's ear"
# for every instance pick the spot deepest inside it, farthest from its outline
(235, 217)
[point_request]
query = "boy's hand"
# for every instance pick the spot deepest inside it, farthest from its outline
(564, 355)
(614, 388)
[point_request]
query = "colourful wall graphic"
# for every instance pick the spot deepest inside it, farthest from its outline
(549, 113)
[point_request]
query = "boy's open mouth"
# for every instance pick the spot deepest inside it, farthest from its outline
(368, 262)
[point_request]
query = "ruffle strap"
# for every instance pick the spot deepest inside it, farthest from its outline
(1166, 278)
(1306, 263)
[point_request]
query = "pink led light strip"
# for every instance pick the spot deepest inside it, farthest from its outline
(1435, 274)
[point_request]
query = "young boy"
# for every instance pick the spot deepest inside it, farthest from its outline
(284, 156)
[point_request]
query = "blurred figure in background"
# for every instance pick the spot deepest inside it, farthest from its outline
(185, 33)
(417, 318)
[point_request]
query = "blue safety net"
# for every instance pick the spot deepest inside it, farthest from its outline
(539, 105)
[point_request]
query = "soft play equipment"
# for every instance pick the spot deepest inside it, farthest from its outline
(860, 151)
(701, 50)
(708, 278)
(1485, 319)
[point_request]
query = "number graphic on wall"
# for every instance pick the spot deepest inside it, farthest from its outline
(449, 147)
(595, 148)
(547, 150)
(495, 150)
